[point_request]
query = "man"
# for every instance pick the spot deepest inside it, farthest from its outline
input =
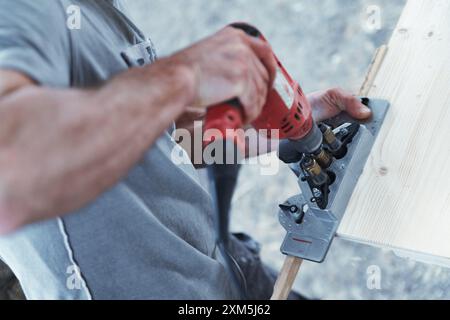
(98, 209)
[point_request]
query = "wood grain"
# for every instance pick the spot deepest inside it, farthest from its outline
(402, 200)
(286, 279)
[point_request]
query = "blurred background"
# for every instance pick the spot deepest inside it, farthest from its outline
(323, 43)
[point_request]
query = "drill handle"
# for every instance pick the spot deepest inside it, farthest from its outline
(225, 119)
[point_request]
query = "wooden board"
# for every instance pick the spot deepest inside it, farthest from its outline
(402, 200)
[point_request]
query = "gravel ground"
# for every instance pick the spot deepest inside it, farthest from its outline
(322, 43)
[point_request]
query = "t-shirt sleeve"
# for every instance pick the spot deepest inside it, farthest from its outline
(34, 40)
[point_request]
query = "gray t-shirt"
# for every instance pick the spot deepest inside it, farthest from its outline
(148, 237)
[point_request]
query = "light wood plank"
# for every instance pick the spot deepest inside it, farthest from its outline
(402, 200)
(375, 66)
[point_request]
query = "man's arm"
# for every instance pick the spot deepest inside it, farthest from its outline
(60, 149)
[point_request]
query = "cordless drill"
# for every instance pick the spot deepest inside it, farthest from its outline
(287, 110)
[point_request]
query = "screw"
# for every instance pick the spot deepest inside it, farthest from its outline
(305, 208)
(317, 193)
(308, 162)
(298, 215)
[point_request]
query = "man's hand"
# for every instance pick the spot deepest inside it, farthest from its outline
(329, 103)
(230, 65)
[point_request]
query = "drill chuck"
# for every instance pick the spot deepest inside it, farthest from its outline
(330, 138)
(291, 151)
(324, 158)
(318, 176)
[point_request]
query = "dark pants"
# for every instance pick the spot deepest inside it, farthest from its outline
(259, 279)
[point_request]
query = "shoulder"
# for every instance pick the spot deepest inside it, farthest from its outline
(36, 13)
(34, 40)
(37, 21)
(37, 6)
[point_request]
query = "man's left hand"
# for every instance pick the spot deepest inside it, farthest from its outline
(329, 103)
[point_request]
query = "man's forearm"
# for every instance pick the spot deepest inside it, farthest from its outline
(105, 131)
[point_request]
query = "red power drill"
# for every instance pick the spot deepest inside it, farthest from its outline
(287, 110)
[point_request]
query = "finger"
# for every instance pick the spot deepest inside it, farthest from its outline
(249, 102)
(355, 108)
(264, 52)
(350, 104)
(195, 113)
(261, 69)
(249, 98)
(259, 76)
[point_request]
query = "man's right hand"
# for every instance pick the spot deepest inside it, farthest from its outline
(229, 64)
